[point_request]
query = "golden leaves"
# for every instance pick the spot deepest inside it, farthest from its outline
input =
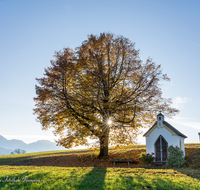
(102, 78)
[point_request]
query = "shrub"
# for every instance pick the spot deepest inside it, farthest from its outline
(175, 157)
(146, 158)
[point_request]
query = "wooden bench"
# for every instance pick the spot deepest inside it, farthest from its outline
(129, 161)
(158, 163)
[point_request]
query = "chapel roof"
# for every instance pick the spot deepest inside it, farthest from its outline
(160, 114)
(170, 127)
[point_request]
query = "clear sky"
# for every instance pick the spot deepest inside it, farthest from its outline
(30, 32)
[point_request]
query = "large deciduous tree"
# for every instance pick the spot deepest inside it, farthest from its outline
(102, 91)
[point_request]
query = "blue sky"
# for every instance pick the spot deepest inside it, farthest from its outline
(30, 32)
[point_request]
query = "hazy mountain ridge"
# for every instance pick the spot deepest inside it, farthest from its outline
(7, 146)
(4, 151)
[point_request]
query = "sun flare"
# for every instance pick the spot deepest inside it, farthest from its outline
(109, 122)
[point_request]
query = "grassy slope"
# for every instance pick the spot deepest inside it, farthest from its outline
(88, 157)
(94, 178)
(84, 157)
(102, 177)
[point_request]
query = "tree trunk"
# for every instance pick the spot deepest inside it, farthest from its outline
(104, 145)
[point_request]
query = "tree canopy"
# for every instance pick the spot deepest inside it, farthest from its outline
(100, 90)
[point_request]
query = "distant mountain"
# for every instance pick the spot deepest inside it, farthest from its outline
(13, 144)
(41, 145)
(4, 151)
(2, 138)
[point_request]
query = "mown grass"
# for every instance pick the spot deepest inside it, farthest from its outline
(94, 178)
(15, 176)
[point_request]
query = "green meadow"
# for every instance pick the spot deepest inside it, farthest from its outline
(14, 175)
(31, 177)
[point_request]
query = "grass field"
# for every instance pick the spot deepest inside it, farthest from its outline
(41, 171)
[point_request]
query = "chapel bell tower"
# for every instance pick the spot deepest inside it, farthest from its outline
(160, 119)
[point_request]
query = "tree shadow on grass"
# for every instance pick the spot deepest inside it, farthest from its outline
(137, 181)
(24, 180)
(193, 173)
(98, 178)
(95, 179)
(51, 179)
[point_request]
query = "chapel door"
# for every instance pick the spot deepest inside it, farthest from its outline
(161, 149)
(158, 152)
(164, 149)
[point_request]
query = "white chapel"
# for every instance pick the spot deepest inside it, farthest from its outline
(162, 135)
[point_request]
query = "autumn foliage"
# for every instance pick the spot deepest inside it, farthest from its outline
(102, 80)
